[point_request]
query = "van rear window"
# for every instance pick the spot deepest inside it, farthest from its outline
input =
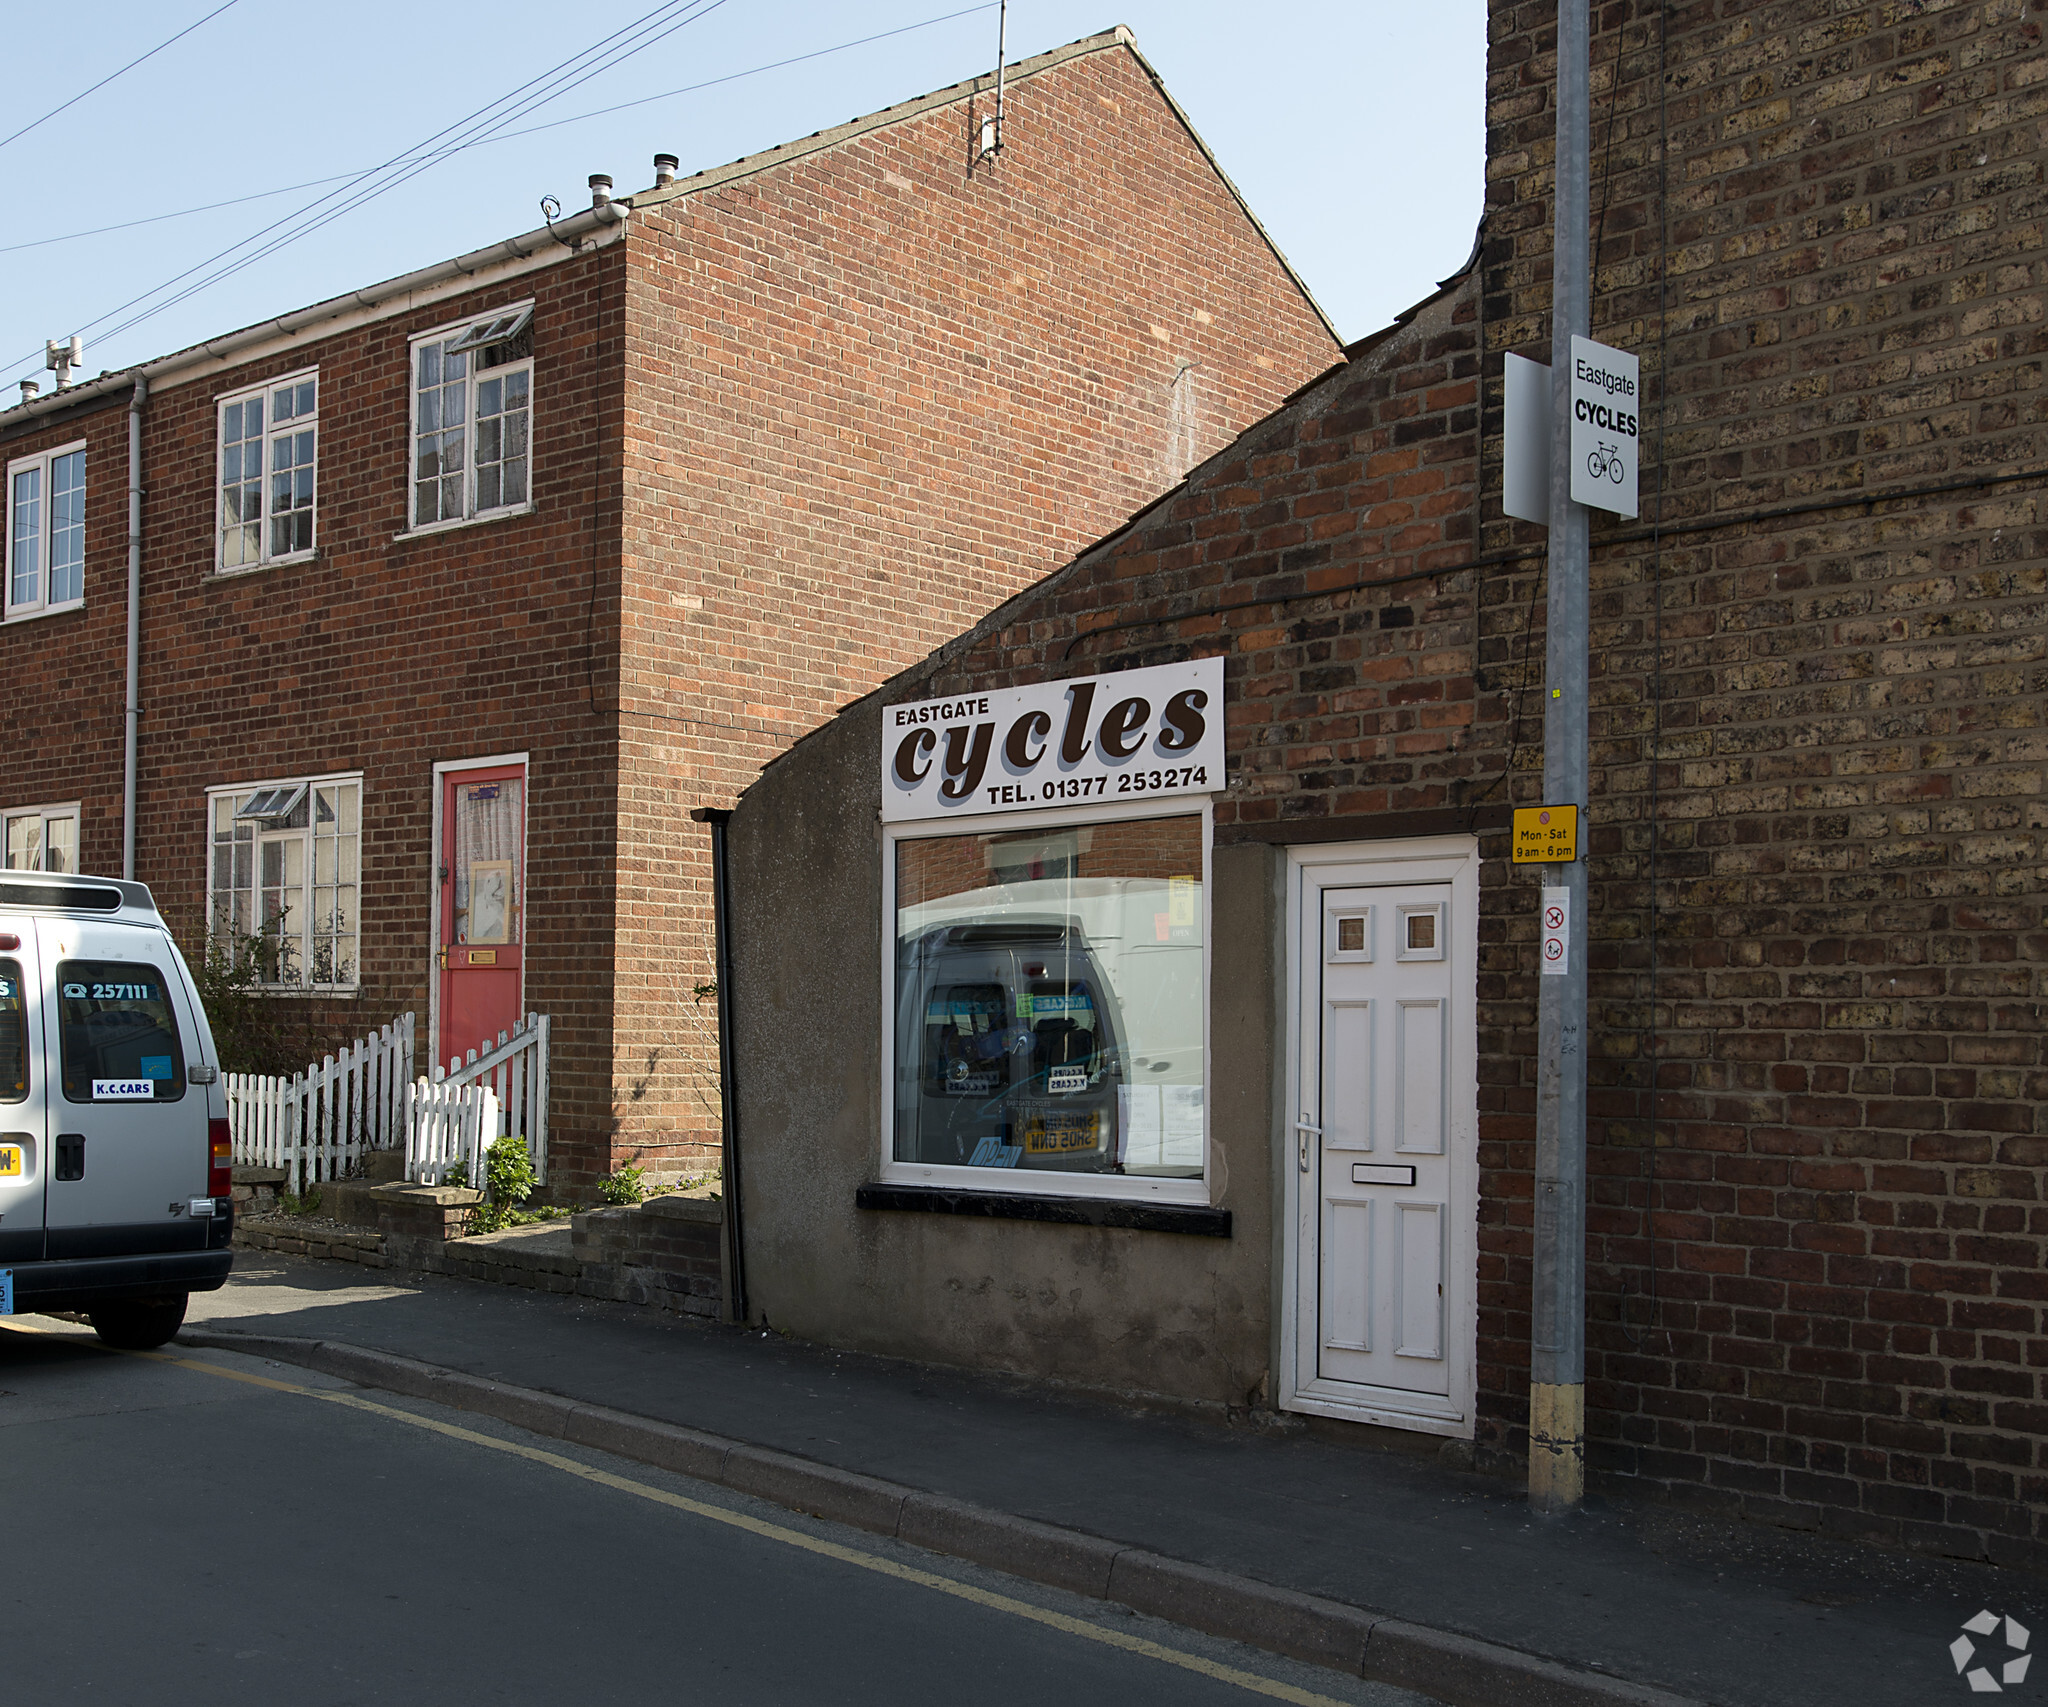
(13, 1035)
(120, 1033)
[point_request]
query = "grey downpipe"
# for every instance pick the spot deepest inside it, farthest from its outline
(136, 400)
(728, 1097)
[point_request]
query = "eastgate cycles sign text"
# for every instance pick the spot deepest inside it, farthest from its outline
(1118, 737)
(1606, 426)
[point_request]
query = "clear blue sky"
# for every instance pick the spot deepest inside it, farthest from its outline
(1354, 130)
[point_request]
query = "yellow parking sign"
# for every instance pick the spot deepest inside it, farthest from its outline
(1546, 835)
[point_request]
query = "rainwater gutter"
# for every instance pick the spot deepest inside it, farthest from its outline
(594, 223)
(137, 399)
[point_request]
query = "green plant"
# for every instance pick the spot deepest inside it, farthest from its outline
(256, 1028)
(307, 1203)
(456, 1173)
(627, 1183)
(508, 1182)
(508, 1171)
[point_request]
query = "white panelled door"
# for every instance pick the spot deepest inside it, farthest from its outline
(1384, 1144)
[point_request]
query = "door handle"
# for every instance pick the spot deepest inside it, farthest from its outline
(70, 1155)
(1306, 1129)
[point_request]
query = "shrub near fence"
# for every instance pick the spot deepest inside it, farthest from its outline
(318, 1124)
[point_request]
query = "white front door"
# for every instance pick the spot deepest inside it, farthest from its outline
(1384, 1135)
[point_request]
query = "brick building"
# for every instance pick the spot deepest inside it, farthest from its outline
(1818, 1217)
(687, 471)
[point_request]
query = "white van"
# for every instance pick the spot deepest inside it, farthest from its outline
(114, 1150)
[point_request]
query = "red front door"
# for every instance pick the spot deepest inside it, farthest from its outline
(481, 869)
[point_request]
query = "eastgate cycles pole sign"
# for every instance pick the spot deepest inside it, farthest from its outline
(1134, 734)
(1605, 391)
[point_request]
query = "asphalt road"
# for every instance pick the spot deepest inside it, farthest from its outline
(201, 1527)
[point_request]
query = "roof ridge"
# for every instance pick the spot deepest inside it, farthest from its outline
(834, 136)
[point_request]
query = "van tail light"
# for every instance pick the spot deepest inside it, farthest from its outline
(220, 1164)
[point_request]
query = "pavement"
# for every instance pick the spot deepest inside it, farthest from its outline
(144, 1577)
(1280, 1535)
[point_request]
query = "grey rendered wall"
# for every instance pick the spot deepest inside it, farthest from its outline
(1103, 1307)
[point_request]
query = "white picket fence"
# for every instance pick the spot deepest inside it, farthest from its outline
(318, 1124)
(447, 1124)
(515, 1069)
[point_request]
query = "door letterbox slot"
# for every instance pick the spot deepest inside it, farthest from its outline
(1382, 1173)
(70, 1155)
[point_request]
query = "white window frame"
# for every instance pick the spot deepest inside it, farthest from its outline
(519, 315)
(41, 605)
(1003, 1181)
(266, 392)
(304, 984)
(47, 814)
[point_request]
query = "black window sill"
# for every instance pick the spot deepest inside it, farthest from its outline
(1193, 1218)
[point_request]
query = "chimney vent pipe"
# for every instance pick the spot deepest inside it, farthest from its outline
(665, 170)
(64, 359)
(30, 390)
(600, 189)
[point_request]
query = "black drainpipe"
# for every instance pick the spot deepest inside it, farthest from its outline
(728, 1109)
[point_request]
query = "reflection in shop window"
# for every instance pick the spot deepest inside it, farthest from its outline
(1049, 999)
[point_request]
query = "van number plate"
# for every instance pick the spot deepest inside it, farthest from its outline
(6, 1291)
(10, 1161)
(1060, 1133)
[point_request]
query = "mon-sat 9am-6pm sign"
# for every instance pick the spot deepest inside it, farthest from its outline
(1091, 739)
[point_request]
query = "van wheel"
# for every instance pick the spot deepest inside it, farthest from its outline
(140, 1325)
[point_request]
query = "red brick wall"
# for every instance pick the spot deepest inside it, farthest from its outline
(796, 406)
(875, 395)
(383, 654)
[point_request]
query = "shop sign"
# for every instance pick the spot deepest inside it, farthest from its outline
(1605, 395)
(1085, 740)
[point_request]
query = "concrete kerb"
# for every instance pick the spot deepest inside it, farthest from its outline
(1460, 1670)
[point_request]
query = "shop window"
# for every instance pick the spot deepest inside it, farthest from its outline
(284, 882)
(1049, 997)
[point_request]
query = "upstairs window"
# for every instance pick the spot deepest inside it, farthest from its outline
(46, 532)
(269, 442)
(472, 392)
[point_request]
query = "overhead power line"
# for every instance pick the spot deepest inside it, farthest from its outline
(510, 135)
(181, 213)
(104, 81)
(536, 92)
(604, 55)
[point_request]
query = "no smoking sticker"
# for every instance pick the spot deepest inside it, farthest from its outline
(1557, 932)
